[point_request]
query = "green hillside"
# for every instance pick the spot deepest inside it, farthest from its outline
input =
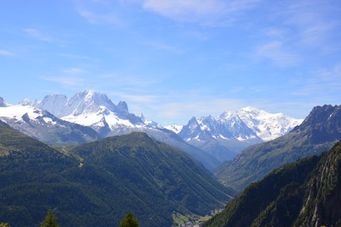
(304, 193)
(97, 183)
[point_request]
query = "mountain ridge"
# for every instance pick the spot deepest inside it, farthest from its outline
(95, 184)
(231, 132)
(210, 140)
(303, 193)
(44, 126)
(258, 160)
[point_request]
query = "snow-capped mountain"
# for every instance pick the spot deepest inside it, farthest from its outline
(267, 126)
(89, 115)
(97, 111)
(92, 109)
(44, 126)
(227, 126)
(229, 133)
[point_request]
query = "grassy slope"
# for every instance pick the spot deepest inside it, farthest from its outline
(119, 174)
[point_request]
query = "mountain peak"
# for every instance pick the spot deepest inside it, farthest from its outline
(267, 126)
(28, 102)
(123, 106)
(323, 123)
(321, 114)
(2, 102)
(89, 101)
(91, 94)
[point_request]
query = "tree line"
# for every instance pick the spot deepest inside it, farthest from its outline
(50, 220)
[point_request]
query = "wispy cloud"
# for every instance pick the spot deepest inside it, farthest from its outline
(299, 28)
(74, 70)
(39, 35)
(140, 99)
(275, 52)
(323, 83)
(165, 47)
(310, 20)
(124, 80)
(68, 81)
(6, 53)
(93, 17)
(175, 106)
(308, 24)
(184, 109)
(72, 77)
(203, 11)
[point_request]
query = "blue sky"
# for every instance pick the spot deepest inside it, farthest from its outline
(172, 59)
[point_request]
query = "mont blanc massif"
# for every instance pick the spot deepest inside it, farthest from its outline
(92, 161)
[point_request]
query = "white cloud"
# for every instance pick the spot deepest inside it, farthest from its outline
(301, 27)
(72, 77)
(140, 99)
(100, 18)
(323, 83)
(197, 107)
(74, 70)
(204, 11)
(67, 81)
(311, 22)
(180, 8)
(39, 35)
(6, 53)
(275, 52)
(175, 106)
(165, 47)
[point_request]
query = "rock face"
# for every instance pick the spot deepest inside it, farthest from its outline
(323, 124)
(323, 190)
(318, 132)
(304, 193)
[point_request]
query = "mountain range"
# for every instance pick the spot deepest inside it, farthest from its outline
(303, 193)
(95, 184)
(92, 109)
(105, 161)
(89, 115)
(226, 135)
(320, 130)
(44, 126)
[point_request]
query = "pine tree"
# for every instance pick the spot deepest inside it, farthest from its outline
(50, 220)
(129, 221)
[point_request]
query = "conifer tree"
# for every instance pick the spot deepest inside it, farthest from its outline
(129, 221)
(50, 220)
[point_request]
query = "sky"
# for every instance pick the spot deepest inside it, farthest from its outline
(174, 59)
